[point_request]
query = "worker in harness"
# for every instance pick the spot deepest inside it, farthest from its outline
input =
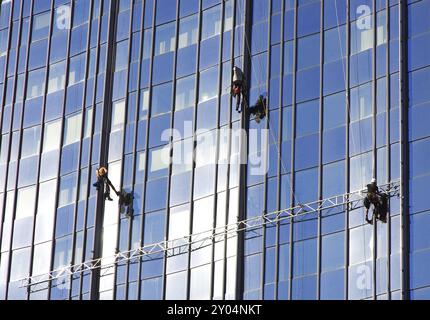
(125, 199)
(378, 200)
(103, 181)
(258, 110)
(238, 88)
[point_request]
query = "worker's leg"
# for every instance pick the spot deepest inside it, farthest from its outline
(383, 208)
(98, 184)
(107, 193)
(367, 217)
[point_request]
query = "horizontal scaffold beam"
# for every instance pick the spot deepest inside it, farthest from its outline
(200, 240)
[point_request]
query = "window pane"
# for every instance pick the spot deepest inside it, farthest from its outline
(25, 202)
(57, 77)
(41, 26)
(211, 22)
(72, 130)
(30, 142)
(188, 32)
(52, 135)
(165, 38)
(77, 69)
(208, 84)
(161, 99)
(185, 93)
(36, 83)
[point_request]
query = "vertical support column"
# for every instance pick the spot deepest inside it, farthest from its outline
(293, 151)
(243, 152)
(98, 228)
(320, 154)
(347, 139)
(279, 173)
(388, 139)
(404, 148)
(375, 152)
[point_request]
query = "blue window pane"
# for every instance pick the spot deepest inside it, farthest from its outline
(259, 37)
(418, 81)
(252, 272)
(166, 11)
(37, 57)
(307, 149)
(334, 77)
(334, 144)
(187, 7)
(81, 12)
(334, 179)
(307, 118)
(165, 38)
(211, 25)
(163, 68)
(187, 61)
(332, 285)
(40, 28)
(334, 111)
(361, 136)
(203, 121)
(180, 189)
(123, 25)
(419, 151)
(79, 39)
(58, 49)
(152, 289)
(421, 294)
(161, 99)
(418, 127)
(420, 264)
(305, 288)
(333, 251)
(64, 225)
(308, 84)
(156, 192)
(335, 44)
(152, 268)
(361, 67)
(418, 19)
(309, 17)
(334, 13)
(158, 126)
(207, 87)
(209, 52)
(308, 52)
(306, 188)
(154, 227)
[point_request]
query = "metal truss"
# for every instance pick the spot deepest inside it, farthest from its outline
(193, 242)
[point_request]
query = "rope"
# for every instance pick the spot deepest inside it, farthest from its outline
(248, 48)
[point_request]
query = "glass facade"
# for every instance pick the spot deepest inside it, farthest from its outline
(128, 83)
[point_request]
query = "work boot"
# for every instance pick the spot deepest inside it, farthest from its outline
(108, 197)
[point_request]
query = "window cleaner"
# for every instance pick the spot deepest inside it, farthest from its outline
(103, 182)
(378, 200)
(238, 88)
(258, 110)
